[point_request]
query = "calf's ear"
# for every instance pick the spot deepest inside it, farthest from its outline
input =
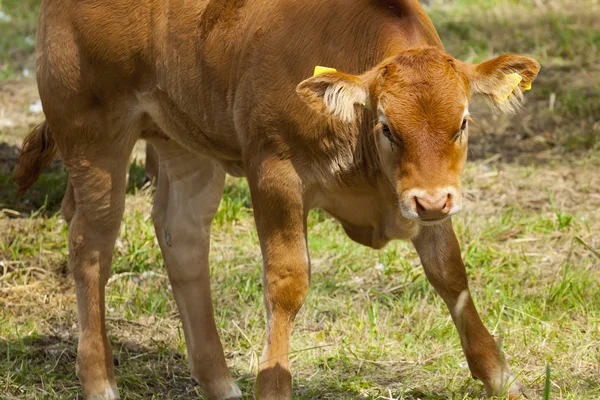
(503, 80)
(334, 93)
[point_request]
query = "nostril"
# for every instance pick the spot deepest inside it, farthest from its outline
(448, 204)
(418, 206)
(434, 205)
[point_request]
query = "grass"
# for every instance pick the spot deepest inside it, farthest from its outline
(533, 281)
(18, 20)
(372, 326)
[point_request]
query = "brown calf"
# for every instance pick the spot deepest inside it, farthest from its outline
(227, 87)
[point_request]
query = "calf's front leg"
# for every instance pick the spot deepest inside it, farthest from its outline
(281, 224)
(440, 255)
(187, 197)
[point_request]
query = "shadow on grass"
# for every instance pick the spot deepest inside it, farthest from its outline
(38, 364)
(45, 365)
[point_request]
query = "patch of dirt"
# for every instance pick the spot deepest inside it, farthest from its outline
(19, 109)
(558, 120)
(16, 119)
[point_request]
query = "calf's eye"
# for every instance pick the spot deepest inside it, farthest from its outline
(385, 129)
(464, 125)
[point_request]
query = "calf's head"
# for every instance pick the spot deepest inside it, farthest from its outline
(419, 104)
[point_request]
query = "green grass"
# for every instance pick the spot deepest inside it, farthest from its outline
(371, 323)
(372, 327)
(477, 29)
(18, 20)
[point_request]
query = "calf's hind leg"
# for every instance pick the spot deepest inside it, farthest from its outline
(93, 205)
(187, 196)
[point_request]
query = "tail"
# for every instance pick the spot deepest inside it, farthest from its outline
(39, 149)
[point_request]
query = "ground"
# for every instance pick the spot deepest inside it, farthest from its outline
(372, 327)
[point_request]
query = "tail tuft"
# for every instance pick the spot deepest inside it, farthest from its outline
(39, 149)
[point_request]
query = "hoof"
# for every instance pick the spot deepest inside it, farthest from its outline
(110, 393)
(273, 383)
(234, 393)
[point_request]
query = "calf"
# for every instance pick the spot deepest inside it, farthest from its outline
(223, 87)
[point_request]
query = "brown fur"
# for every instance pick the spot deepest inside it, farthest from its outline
(228, 87)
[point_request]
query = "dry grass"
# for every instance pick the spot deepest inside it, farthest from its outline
(372, 326)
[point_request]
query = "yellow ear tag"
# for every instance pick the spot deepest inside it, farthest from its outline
(514, 79)
(321, 70)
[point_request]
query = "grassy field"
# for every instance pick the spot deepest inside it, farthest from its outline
(372, 327)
